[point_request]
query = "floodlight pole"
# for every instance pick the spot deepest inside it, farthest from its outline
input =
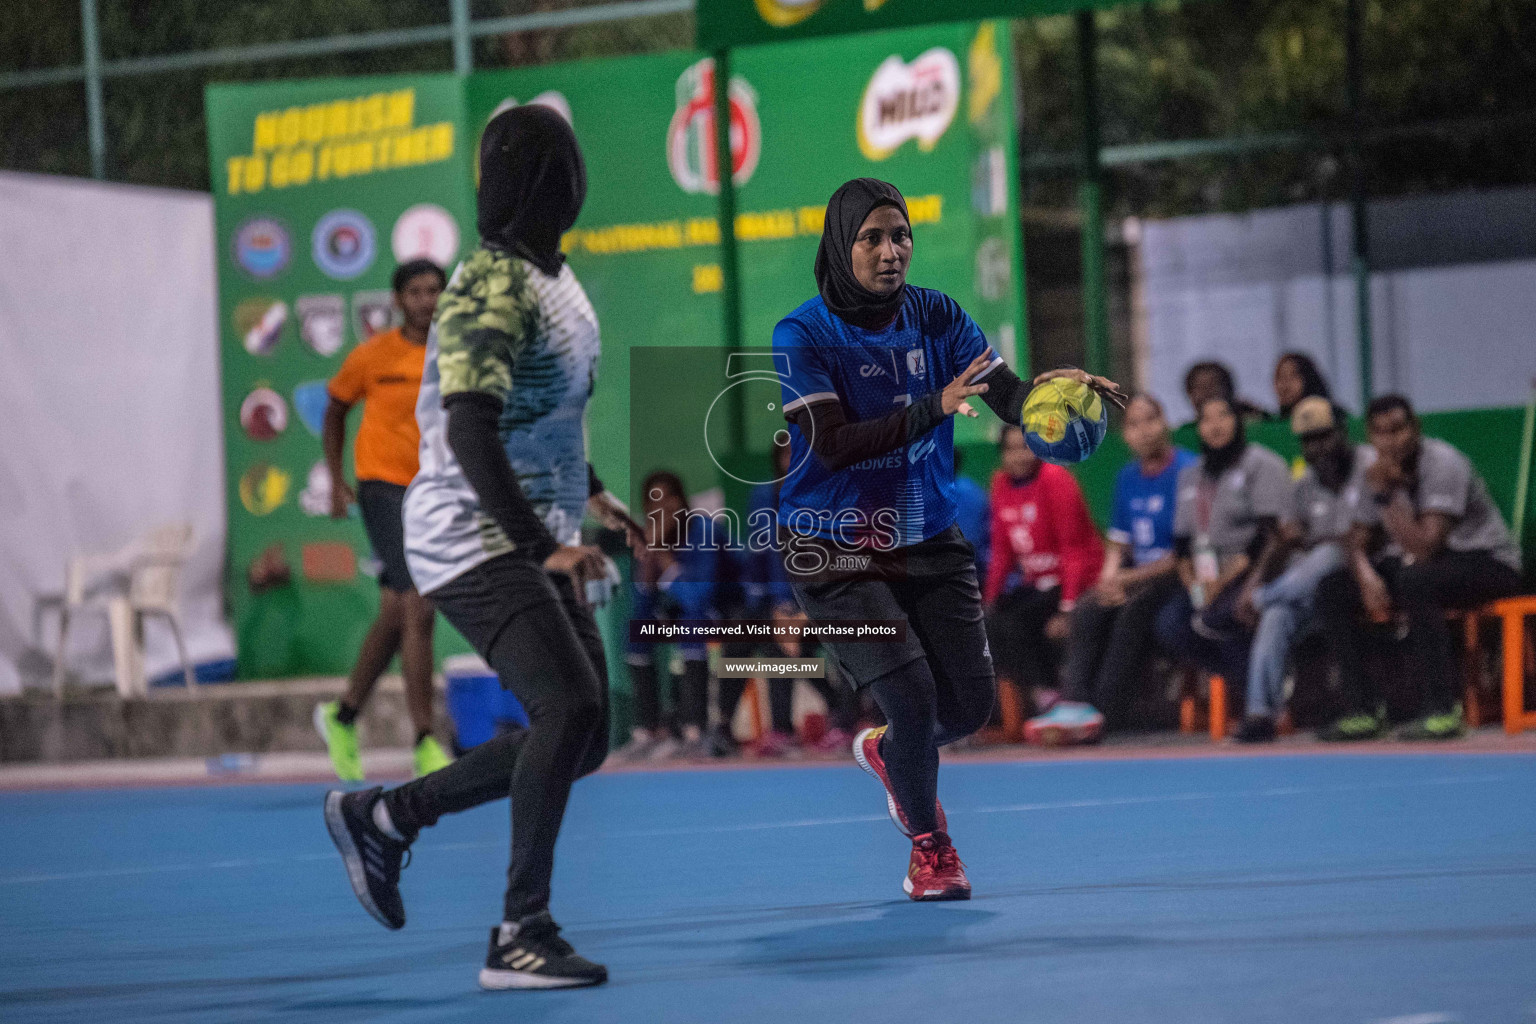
(730, 267)
(96, 126)
(1360, 261)
(463, 50)
(1090, 197)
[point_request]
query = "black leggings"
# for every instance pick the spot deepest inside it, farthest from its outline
(935, 687)
(546, 647)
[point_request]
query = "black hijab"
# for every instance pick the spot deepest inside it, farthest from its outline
(532, 184)
(1217, 461)
(840, 290)
(1312, 380)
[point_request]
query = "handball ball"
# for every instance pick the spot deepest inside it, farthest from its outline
(1064, 421)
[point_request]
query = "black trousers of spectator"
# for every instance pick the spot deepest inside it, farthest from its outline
(545, 646)
(1016, 631)
(1224, 648)
(1108, 647)
(1423, 592)
(690, 695)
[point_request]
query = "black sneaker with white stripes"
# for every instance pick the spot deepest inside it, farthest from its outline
(535, 956)
(373, 859)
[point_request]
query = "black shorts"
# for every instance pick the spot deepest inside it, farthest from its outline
(931, 585)
(383, 507)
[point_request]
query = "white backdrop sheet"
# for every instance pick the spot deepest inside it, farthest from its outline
(1453, 305)
(110, 419)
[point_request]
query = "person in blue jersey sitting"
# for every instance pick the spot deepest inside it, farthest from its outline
(674, 579)
(875, 369)
(1112, 624)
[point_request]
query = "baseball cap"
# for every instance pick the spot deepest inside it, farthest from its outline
(1312, 415)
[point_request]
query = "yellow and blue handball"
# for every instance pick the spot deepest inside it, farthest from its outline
(1064, 421)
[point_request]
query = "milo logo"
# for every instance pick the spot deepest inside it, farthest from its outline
(909, 101)
(691, 135)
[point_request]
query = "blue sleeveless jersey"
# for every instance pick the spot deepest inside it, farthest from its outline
(906, 495)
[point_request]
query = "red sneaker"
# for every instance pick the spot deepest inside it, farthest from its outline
(866, 751)
(935, 872)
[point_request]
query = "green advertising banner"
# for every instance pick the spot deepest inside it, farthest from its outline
(729, 23)
(928, 109)
(322, 187)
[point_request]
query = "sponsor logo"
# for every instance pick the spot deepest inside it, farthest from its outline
(425, 231)
(263, 488)
(262, 247)
(260, 322)
(343, 244)
(984, 70)
(263, 414)
(917, 363)
(922, 449)
(315, 498)
(909, 101)
(872, 370)
(372, 312)
(322, 322)
(784, 13)
(309, 401)
(691, 135)
(993, 270)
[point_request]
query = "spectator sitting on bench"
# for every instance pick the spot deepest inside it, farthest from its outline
(1426, 538)
(1230, 504)
(1112, 623)
(1314, 532)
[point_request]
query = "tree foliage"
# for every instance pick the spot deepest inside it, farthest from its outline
(1168, 70)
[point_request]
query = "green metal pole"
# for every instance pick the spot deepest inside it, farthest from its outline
(1090, 198)
(1360, 261)
(95, 117)
(730, 267)
(463, 52)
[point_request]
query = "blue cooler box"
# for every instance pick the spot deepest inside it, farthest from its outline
(478, 705)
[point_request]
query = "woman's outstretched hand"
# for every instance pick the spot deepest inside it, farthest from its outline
(1103, 385)
(960, 389)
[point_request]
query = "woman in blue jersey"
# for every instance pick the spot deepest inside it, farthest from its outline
(876, 368)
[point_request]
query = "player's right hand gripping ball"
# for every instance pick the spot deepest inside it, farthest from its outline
(1064, 421)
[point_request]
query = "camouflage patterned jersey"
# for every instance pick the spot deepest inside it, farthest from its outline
(506, 329)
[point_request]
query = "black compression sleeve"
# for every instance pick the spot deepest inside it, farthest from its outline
(476, 443)
(1005, 393)
(839, 444)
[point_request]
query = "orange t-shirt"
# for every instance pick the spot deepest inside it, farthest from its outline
(385, 373)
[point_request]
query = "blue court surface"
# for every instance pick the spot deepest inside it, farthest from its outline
(1313, 888)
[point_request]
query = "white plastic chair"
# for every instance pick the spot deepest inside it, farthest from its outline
(139, 582)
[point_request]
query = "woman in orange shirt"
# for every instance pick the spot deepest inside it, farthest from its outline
(385, 374)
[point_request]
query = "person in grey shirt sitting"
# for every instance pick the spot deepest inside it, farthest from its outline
(1425, 538)
(1311, 537)
(1229, 504)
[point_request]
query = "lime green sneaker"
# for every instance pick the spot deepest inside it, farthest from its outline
(1352, 727)
(340, 742)
(1446, 726)
(430, 756)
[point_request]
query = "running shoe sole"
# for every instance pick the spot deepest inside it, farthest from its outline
(336, 824)
(935, 895)
(506, 981)
(1062, 735)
